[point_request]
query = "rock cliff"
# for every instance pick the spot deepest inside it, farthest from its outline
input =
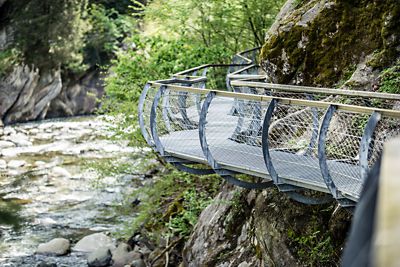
(27, 93)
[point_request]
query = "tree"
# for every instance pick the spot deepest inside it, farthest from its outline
(49, 33)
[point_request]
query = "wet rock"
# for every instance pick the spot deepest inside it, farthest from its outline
(6, 144)
(138, 263)
(244, 264)
(100, 258)
(60, 172)
(46, 264)
(93, 242)
(34, 131)
(14, 164)
(39, 163)
(9, 131)
(20, 139)
(122, 256)
(57, 246)
(3, 164)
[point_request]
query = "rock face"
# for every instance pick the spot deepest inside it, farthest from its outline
(28, 94)
(265, 228)
(79, 96)
(319, 42)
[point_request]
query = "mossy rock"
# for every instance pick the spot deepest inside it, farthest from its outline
(341, 33)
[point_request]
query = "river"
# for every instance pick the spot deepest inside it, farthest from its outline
(46, 171)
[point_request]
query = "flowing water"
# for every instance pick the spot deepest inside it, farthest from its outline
(46, 181)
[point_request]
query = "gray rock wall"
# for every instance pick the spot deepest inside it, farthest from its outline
(27, 94)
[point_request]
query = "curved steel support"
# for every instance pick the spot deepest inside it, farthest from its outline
(265, 143)
(166, 111)
(310, 200)
(197, 96)
(182, 167)
(143, 129)
(365, 143)
(255, 124)
(227, 175)
(153, 121)
(323, 131)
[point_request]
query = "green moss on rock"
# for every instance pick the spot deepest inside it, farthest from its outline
(341, 35)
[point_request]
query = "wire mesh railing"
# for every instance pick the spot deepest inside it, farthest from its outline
(294, 137)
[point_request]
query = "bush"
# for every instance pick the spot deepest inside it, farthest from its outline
(150, 58)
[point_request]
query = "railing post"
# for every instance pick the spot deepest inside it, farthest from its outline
(166, 111)
(265, 142)
(142, 125)
(323, 164)
(365, 143)
(153, 121)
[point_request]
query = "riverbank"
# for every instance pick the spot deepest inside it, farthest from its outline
(46, 172)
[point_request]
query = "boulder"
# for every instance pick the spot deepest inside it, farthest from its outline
(6, 144)
(14, 164)
(93, 242)
(46, 264)
(123, 256)
(3, 164)
(60, 172)
(99, 258)
(57, 246)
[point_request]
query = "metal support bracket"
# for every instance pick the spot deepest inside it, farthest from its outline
(323, 131)
(365, 144)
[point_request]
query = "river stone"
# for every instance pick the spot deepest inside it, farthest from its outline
(122, 256)
(138, 263)
(14, 164)
(93, 242)
(244, 264)
(57, 246)
(46, 264)
(6, 144)
(20, 139)
(3, 164)
(60, 172)
(99, 258)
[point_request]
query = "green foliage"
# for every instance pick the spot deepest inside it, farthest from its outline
(237, 24)
(8, 58)
(152, 58)
(120, 6)
(108, 28)
(390, 80)
(172, 204)
(314, 249)
(49, 34)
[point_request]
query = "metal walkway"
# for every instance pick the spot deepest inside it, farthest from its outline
(293, 137)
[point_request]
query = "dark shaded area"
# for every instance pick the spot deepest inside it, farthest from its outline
(358, 251)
